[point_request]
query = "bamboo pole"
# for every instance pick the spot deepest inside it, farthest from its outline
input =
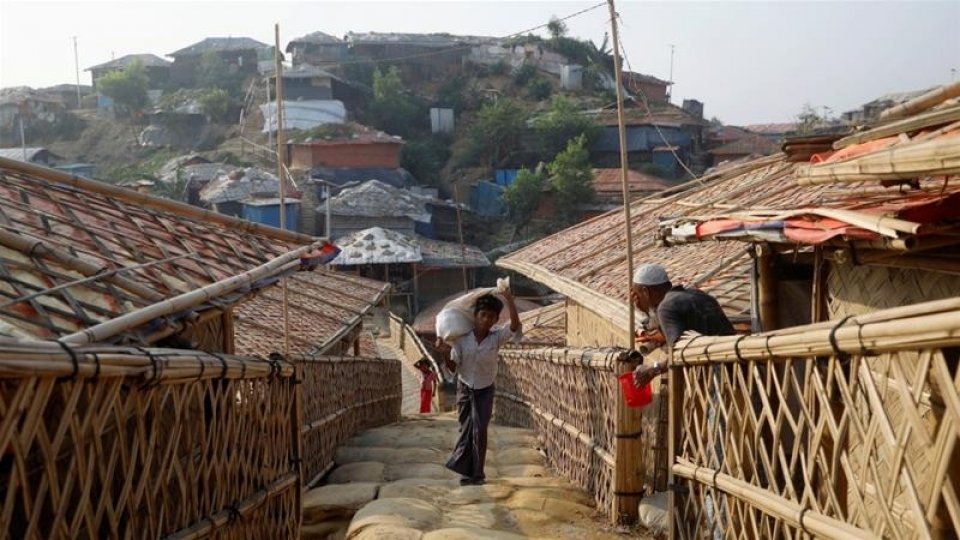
(781, 508)
(902, 162)
(907, 125)
(768, 294)
(32, 246)
(281, 181)
(628, 450)
(923, 102)
(187, 300)
(149, 201)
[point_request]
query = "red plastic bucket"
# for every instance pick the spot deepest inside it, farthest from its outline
(635, 397)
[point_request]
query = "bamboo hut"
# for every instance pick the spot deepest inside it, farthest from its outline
(835, 230)
(125, 413)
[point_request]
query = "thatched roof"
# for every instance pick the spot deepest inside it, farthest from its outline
(219, 44)
(324, 306)
(75, 253)
(544, 327)
(587, 262)
(146, 60)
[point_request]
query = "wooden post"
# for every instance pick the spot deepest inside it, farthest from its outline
(226, 326)
(767, 290)
(629, 474)
(280, 182)
(818, 308)
(674, 445)
(628, 453)
(416, 289)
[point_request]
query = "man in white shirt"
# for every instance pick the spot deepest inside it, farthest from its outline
(475, 356)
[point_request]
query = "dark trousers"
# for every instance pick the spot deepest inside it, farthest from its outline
(474, 407)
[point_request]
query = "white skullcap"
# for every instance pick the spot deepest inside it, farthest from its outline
(650, 274)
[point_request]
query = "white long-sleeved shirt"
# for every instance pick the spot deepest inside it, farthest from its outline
(477, 362)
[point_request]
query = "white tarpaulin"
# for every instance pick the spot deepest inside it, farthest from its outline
(304, 114)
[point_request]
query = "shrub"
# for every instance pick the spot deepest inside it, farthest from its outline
(524, 74)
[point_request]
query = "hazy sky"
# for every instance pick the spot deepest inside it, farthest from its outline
(748, 62)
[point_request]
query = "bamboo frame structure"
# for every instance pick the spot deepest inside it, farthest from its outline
(173, 442)
(570, 397)
(851, 427)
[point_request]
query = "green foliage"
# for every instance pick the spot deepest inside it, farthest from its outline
(500, 68)
(359, 72)
(213, 72)
(523, 196)
(524, 74)
(393, 109)
(571, 178)
(216, 104)
(557, 28)
(127, 88)
(454, 94)
(425, 158)
(808, 120)
(495, 132)
(540, 89)
(330, 131)
(562, 123)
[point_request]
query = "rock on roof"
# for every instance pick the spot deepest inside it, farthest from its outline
(147, 60)
(240, 184)
(376, 199)
(377, 246)
(219, 44)
(323, 306)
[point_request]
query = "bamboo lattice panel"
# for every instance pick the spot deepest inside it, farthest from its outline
(856, 290)
(865, 444)
(144, 447)
(342, 396)
(567, 396)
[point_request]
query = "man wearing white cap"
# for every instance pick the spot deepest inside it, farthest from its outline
(678, 310)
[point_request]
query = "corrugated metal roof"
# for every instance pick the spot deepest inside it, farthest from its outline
(422, 40)
(146, 60)
(31, 153)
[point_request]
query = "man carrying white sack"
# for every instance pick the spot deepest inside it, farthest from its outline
(474, 356)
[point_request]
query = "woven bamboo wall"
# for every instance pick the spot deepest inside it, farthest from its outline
(136, 443)
(853, 431)
(855, 290)
(342, 396)
(569, 397)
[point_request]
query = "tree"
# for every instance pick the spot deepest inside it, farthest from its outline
(393, 109)
(213, 72)
(127, 87)
(495, 132)
(808, 120)
(425, 158)
(557, 28)
(571, 178)
(523, 196)
(562, 123)
(215, 103)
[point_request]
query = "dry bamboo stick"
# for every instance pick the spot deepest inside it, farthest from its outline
(905, 161)
(907, 125)
(791, 512)
(188, 300)
(923, 102)
(153, 202)
(928, 331)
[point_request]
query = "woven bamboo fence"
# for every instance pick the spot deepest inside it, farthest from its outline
(112, 442)
(571, 398)
(343, 395)
(842, 429)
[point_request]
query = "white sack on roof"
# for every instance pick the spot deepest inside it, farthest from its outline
(305, 114)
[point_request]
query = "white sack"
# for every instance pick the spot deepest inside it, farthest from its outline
(456, 318)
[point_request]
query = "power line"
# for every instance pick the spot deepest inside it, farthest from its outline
(646, 106)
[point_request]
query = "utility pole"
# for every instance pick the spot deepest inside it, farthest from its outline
(269, 119)
(670, 93)
(76, 65)
(281, 181)
(628, 470)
